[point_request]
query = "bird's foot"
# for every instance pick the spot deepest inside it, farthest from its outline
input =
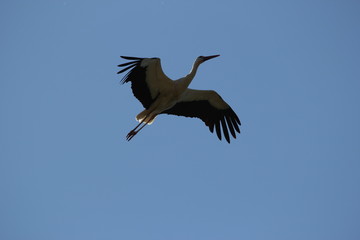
(131, 134)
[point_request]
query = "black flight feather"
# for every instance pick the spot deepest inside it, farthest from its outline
(211, 116)
(125, 69)
(128, 63)
(231, 127)
(131, 58)
(225, 130)
(137, 77)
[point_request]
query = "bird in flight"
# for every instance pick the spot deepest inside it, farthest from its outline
(159, 94)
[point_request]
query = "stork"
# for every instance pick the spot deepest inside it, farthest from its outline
(159, 94)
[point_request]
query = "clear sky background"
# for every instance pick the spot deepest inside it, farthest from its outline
(290, 69)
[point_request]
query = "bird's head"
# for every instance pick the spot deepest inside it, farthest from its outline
(202, 59)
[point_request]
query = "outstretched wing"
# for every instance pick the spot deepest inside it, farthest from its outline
(146, 77)
(210, 108)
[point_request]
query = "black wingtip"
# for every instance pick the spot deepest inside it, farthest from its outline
(225, 130)
(131, 58)
(211, 128)
(127, 68)
(218, 130)
(127, 63)
(230, 126)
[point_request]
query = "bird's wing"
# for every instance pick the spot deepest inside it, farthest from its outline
(146, 76)
(209, 107)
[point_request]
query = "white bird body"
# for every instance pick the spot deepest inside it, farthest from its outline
(159, 94)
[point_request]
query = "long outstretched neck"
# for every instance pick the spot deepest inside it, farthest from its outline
(185, 81)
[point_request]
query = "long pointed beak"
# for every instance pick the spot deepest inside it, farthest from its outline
(210, 57)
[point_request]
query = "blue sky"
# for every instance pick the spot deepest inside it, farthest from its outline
(290, 69)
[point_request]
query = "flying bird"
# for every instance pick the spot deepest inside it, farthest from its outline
(159, 94)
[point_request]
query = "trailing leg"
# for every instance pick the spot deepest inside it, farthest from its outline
(147, 120)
